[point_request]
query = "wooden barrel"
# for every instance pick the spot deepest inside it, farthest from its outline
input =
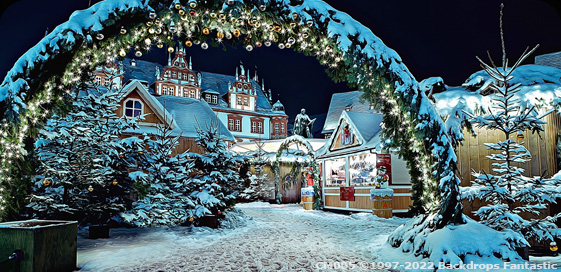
(308, 198)
(382, 199)
(401, 198)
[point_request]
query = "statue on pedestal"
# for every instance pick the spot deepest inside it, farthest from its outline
(303, 124)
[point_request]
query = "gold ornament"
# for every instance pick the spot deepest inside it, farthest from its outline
(222, 16)
(90, 188)
(160, 44)
(46, 182)
(236, 32)
(294, 15)
(141, 152)
(123, 31)
(193, 4)
(158, 31)
(182, 12)
(188, 43)
(288, 45)
(206, 31)
(151, 30)
(292, 25)
(213, 15)
(138, 53)
(191, 219)
(148, 41)
(115, 182)
(220, 35)
(149, 23)
(553, 246)
(122, 53)
(177, 6)
(277, 28)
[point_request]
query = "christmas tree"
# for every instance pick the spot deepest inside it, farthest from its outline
(165, 180)
(257, 186)
(217, 182)
(78, 154)
(508, 192)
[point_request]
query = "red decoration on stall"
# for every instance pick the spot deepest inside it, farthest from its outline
(310, 180)
(347, 193)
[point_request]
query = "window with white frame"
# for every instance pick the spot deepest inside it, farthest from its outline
(164, 90)
(259, 127)
(214, 99)
(245, 101)
(98, 80)
(276, 128)
(133, 107)
(231, 124)
(171, 91)
(238, 125)
(282, 128)
(239, 100)
(208, 98)
(192, 93)
(253, 127)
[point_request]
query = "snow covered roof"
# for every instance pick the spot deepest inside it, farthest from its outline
(159, 111)
(186, 110)
(144, 70)
(366, 127)
(340, 102)
(209, 91)
(272, 146)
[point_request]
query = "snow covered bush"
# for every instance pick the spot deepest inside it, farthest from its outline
(82, 161)
(513, 201)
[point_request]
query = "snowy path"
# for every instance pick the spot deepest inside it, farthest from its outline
(279, 238)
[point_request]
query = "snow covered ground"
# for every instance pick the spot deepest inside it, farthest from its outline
(272, 238)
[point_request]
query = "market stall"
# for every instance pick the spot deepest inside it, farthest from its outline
(352, 165)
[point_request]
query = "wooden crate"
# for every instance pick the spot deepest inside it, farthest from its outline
(48, 246)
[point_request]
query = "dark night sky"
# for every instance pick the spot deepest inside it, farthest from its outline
(434, 38)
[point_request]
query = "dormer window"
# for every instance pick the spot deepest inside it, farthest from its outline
(208, 98)
(133, 107)
(214, 99)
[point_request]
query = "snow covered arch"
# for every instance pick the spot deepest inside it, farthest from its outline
(45, 78)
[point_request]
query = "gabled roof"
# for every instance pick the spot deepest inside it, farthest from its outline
(339, 102)
(186, 110)
(159, 111)
(365, 127)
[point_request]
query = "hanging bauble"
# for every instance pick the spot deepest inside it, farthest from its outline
(291, 40)
(200, 189)
(222, 16)
(191, 219)
(148, 41)
(310, 23)
(149, 23)
(193, 4)
(228, 35)
(181, 12)
(172, 28)
(123, 31)
(204, 46)
(553, 246)
(206, 31)
(232, 19)
(267, 43)
(193, 13)
(287, 45)
(188, 43)
(216, 181)
(230, 2)
(219, 212)
(294, 15)
(277, 28)
(140, 152)
(337, 59)
(158, 31)
(138, 54)
(151, 30)
(249, 47)
(177, 6)
(121, 156)
(122, 53)
(196, 42)
(292, 25)
(258, 44)
(99, 36)
(115, 182)
(213, 15)
(305, 35)
(262, 7)
(90, 188)
(220, 35)
(281, 45)
(46, 182)
(152, 15)
(185, 17)
(236, 32)
(160, 44)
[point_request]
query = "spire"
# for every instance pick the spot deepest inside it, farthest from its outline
(248, 76)
(190, 64)
(263, 85)
(255, 78)
(236, 73)
(169, 59)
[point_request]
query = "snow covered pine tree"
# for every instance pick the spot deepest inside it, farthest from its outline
(257, 186)
(166, 182)
(218, 177)
(514, 201)
(78, 154)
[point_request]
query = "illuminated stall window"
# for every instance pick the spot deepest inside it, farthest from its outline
(362, 169)
(335, 172)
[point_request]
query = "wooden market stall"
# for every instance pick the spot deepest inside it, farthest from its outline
(351, 166)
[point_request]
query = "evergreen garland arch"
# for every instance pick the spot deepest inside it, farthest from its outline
(46, 78)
